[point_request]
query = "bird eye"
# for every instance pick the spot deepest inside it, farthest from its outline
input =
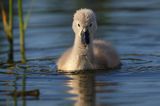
(90, 25)
(78, 25)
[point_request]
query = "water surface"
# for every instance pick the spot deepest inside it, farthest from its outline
(131, 25)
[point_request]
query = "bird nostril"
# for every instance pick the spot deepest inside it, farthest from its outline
(85, 38)
(86, 33)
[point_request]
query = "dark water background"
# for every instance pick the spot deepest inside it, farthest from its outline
(133, 26)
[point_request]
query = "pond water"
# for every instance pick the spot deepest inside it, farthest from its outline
(133, 26)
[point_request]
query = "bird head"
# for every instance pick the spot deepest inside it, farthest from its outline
(84, 25)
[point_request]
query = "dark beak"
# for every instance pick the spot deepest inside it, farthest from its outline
(85, 37)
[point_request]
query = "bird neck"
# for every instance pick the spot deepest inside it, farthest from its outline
(83, 55)
(81, 49)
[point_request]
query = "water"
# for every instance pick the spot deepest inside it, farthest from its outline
(131, 25)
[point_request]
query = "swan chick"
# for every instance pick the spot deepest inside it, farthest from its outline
(87, 53)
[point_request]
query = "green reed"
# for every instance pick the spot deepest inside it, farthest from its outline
(8, 28)
(22, 30)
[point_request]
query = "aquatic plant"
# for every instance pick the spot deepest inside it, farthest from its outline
(22, 34)
(8, 29)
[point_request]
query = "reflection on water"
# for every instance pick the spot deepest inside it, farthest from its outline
(83, 86)
(131, 25)
(13, 89)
